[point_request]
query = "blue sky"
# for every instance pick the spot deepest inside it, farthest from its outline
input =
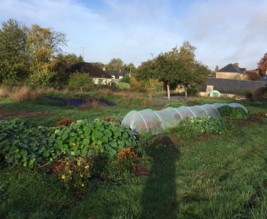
(223, 31)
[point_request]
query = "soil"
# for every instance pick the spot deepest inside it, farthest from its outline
(13, 113)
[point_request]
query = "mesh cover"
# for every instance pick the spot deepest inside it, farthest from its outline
(157, 121)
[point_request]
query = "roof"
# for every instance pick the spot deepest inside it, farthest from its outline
(234, 68)
(85, 67)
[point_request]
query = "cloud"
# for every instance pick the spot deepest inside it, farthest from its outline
(223, 31)
(228, 31)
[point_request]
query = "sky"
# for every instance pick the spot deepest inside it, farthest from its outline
(223, 31)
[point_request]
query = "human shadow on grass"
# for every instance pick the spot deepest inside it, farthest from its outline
(159, 195)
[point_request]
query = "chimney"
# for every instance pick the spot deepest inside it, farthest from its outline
(237, 64)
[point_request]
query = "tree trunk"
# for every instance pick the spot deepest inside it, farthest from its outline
(185, 93)
(168, 90)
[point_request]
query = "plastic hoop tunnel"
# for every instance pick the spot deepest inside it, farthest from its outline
(157, 121)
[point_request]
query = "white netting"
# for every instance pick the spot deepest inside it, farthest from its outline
(157, 121)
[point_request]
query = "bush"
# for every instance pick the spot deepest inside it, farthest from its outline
(80, 80)
(123, 85)
(206, 125)
(85, 138)
(233, 112)
(260, 94)
(75, 172)
(126, 79)
(41, 79)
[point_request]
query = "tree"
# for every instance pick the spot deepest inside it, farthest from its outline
(126, 79)
(176, 67)
(216, 68)
(80, 80)
(42, 44)
(129, 68)
(262, 65)
(13, 56)
(115, 64)
(60, 65)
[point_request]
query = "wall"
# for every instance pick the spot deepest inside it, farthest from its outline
(235, 86)
(227, 75)
(102, 80)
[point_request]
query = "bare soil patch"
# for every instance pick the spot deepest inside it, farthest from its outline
(6, 113)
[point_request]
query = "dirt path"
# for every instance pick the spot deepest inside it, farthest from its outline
(6, 113)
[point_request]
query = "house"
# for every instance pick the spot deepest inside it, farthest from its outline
(98, 75)
(232, 71)
(117, 75)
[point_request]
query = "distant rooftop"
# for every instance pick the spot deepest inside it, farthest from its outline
(234, 68)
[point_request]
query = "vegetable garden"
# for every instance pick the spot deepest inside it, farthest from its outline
(98, 168)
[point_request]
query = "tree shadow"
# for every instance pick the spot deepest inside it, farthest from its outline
(159, 199)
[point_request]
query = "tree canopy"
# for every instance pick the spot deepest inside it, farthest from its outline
(13, 55)
(28, 53)
(115, 64)
(176, 67)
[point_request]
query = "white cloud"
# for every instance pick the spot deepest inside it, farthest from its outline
(223, 31)
(228, 31)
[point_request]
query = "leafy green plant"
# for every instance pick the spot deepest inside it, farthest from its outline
(175, 105)
(206, 125)
(233, 112)
(85, 138)
(80, 80)
(25, 145)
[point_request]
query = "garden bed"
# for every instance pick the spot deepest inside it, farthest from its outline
(77, 102)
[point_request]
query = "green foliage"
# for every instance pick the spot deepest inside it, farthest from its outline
(90, 139)
(175, 105)
(41, 79)
(27, 54)
(81, 81)
(233, 112)
(13, 56)
(26, 145)
(60, 66)
(34, 194)
(73, 149)
(220, 176)
(176, 67)
(115, 64)
(206, 125)
(42, 45)
(126, 79)
(123, 85)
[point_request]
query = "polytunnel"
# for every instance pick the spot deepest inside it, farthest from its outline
(157, 121)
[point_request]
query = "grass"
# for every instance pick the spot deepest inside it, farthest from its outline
(207, 177)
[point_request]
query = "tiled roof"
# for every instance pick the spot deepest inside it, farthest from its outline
(85, 67)
(232, 68)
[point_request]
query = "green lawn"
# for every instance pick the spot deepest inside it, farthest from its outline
(215, 176)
